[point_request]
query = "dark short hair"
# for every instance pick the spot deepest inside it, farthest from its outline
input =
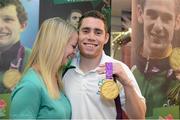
(94, 14)
(21, 13)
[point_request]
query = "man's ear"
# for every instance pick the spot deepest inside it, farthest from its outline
(177, 26)
(140, 14)
(107, 38)
(23, 26)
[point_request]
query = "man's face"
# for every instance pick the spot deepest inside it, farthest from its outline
(74, 18)
(159, 23)
(92, 37)
(10, 27)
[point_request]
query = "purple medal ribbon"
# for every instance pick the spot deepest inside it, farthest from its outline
(18, 62)
(109, 70)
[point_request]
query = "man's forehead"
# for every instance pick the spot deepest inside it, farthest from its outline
(159, 2)
(160, 5)
(11, 6)
(92, 22)
(10, 9)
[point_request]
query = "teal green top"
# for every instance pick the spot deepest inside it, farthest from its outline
(30, 99)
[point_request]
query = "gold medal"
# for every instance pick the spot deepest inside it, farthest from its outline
(110, 89)
(175, 58)
(11, 77)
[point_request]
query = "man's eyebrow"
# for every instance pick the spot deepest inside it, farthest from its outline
(88, 28)
(85, 28)
(9, 16)
(166, 15)
(97, 29)
(150, 11)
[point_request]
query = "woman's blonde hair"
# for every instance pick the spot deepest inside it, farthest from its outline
(48, 51)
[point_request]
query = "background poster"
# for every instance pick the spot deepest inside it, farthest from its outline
(27, 38)
(156, 55)
(29, 35)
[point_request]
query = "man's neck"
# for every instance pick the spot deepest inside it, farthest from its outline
(157, 55)
(5, 48)
(87, 64)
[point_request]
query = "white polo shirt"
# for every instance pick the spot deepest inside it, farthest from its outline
(83, 89)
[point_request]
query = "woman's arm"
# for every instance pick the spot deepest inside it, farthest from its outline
(25, 101)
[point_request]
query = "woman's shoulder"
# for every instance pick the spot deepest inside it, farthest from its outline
(28, 84)
(31, 77)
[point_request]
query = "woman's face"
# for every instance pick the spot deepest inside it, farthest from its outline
(70, 49)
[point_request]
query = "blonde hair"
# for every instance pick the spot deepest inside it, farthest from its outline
(48, 51)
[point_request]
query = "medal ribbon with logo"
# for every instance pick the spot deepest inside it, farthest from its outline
(109, 88)
(13, 75)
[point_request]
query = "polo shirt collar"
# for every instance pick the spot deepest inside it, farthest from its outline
(76, 61)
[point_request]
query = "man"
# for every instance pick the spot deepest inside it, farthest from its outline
(13, 55)
(74, 17)
(82, 84)
(153, 71)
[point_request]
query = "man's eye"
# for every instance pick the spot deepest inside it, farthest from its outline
(98, 32)
(166, 18)
(8, 19)
(74, 17)
(152, 14)
(85, 31)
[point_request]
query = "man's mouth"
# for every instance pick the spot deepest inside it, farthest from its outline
(157, 36)
(90, 44)
(2, 34)
(157, 39)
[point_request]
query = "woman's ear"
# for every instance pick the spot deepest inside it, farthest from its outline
(140, 14)
(177, 26)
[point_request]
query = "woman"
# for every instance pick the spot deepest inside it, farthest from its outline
(39, 93)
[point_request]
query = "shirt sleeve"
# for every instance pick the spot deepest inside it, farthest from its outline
(25, 101)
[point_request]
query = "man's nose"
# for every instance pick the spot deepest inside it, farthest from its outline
(91, 35)
(158, 25)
